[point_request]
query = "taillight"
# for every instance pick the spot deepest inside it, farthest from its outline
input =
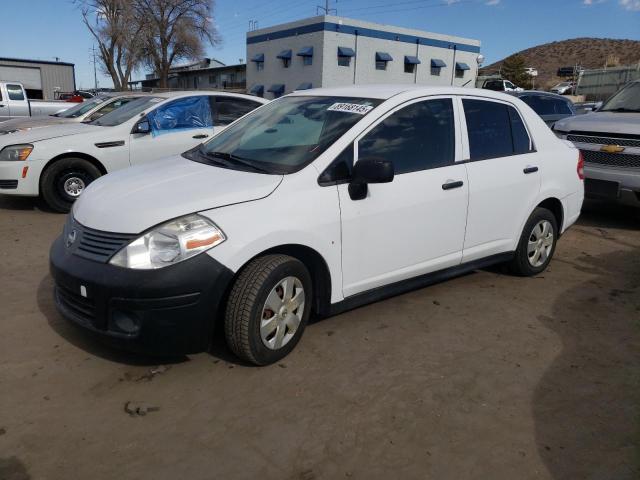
(580, 167)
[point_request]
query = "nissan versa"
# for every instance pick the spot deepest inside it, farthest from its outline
(318, 202)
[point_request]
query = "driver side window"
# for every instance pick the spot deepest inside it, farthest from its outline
(182, 114)
(418, 137)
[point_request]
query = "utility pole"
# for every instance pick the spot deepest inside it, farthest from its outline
(95, 73)
(326, 9)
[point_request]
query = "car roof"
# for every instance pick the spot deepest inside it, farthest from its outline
(188, 93)
(384, 91)
(539, 93)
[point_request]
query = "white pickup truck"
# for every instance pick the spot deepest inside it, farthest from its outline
(14, 103)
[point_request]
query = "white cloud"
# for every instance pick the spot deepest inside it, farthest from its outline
(633, 5)
(491, 3)
(591, 2)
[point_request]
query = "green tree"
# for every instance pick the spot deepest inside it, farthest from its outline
(514, 69)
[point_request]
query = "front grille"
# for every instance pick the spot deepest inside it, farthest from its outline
(611, 159)
(623, 142)
(82, 307)
(99, 246)
(9, 184)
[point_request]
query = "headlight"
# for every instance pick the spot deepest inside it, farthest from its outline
(14, 153)
(170, 243)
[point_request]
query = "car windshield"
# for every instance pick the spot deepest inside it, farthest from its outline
(81, 108)
(285, 135)
(626, 100)
(126, 112)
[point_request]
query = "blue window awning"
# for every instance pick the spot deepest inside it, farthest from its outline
(411, 60)
(462, 66)
(284, 54)
(257, 90)
(258, 58)
(346, 52)
(276, 88)
(383, 57)
(437, 63)
(306, 52)
(304, 86)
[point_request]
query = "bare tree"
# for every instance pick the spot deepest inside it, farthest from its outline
(119, 34)
(175, 29)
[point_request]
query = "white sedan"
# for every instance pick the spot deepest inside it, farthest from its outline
(59, 161)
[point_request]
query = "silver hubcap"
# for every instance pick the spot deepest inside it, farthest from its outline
(282, 313)
(74, 186)
(540, 243)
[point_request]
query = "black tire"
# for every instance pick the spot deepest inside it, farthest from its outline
(54, 177)
(244, 310)
(521, 264)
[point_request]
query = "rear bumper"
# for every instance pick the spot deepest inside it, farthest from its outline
(166, 311)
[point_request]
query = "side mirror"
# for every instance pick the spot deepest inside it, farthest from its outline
(366, 171)
(143, 127)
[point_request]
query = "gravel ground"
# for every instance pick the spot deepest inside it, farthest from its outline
(486, 376)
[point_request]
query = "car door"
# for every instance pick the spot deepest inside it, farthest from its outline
(174, 127)
(415, 224)
(503, 172)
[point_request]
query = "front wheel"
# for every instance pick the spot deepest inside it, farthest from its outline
(537, 244)
(268, 308)
(65, 180)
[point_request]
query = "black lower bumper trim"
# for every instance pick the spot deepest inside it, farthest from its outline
(9, 184)
(166, 311)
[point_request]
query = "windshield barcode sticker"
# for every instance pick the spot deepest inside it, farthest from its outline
(350, 108)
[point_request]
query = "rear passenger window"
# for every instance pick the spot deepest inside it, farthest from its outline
(228, 109)
(418, 137)
(494, 129)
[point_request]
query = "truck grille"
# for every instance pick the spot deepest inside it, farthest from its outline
(611, 159)
(597, 140)
(9, 184)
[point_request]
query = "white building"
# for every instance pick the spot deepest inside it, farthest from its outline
(327, 51)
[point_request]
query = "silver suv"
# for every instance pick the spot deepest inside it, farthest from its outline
(609, 140)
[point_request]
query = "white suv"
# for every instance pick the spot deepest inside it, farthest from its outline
(318, 202)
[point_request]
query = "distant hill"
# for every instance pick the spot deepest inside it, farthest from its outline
(588, 52)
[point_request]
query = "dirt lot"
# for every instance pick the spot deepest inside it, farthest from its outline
(486, 376)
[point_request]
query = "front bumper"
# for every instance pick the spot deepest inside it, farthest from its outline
(12, 181)
(166, 311)
(610, 183)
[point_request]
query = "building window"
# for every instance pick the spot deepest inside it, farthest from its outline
(409, 67)
(410, 63)
(436, 66)
(307, 60)
(285, 56)
(382, 58)
(307, 55)
(286, 62)
(259, 66)
(460, 69)
(259, 61)
(344, 56)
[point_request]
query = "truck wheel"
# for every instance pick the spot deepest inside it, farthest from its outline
(64, 181)
(537, 244)
(268, 309)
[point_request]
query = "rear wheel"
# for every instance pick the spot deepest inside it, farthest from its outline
(65, 180)
(537, 244)
(268, 309)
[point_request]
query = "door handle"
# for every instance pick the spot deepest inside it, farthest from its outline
(528, 170)
(202, 135)
(449, 184)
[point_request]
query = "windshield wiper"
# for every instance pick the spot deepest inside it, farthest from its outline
(622, 110)
(231, 158)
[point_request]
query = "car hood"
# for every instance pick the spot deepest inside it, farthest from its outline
(601, 122)
(15, 125)
(137, 198)
(45, 133)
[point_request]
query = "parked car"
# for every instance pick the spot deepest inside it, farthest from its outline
(86, 111)
(320, 201)
(501, 86)
(59, 161)
(549, 106)
(609, 140)
(563, 88)
(14, 103)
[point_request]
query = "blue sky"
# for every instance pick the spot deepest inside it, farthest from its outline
(45, 29)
